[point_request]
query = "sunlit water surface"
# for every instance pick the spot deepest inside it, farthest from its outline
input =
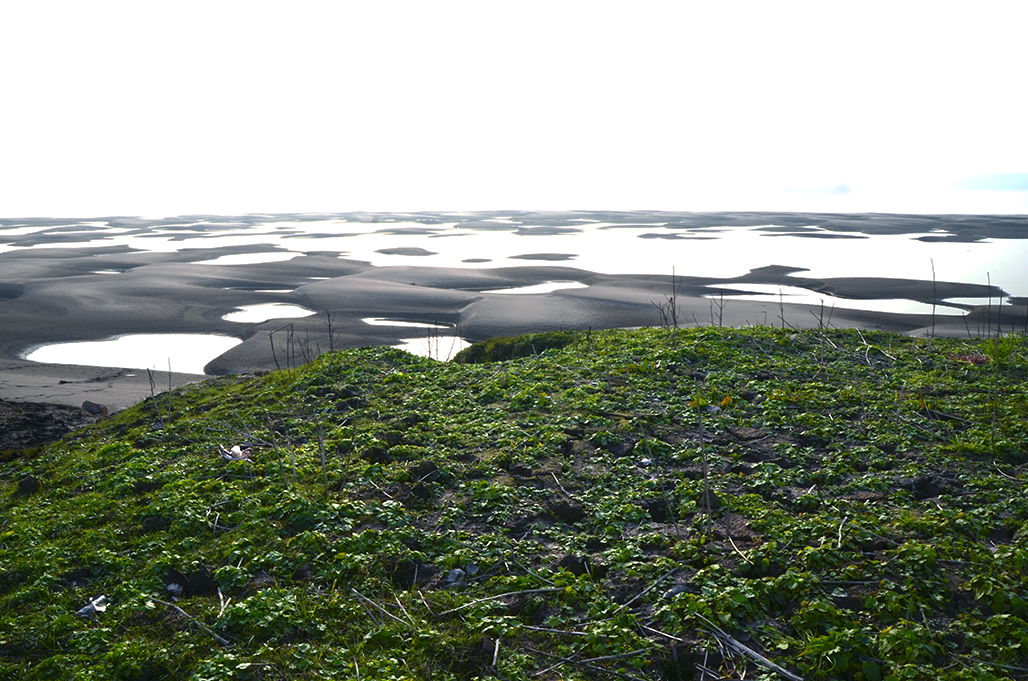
(179, 352)
(437, 341)
(546, 287)
(255, 314)
(595, 246)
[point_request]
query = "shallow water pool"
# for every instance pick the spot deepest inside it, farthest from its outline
(255, 314)
(179, 352)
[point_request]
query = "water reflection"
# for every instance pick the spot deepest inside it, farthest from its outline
(249, 258)
(382, 321)
(255, 314)
(546, 287)
(770, 293)
(439, 341)
(691, 244)
(442, 348)
(182, 352)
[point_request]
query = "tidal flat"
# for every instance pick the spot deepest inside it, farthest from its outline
(479, 275)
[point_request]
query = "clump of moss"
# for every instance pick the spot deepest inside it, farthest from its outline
(503, 348)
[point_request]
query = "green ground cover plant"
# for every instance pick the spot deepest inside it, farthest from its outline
(705, 503)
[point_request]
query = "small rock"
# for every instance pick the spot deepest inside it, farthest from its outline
(408, 574)
(421, 491)
(675, 590)
(569, 512)
(198, 582)
(27, 486)
(708, 499)
(94, 408)
(376, 455)
(484, 651)
(576, 565)
(201, 582)
(581, 565)
(261, 580)
(619, 448)
(741, 468)
(425, 470)
(659, 509)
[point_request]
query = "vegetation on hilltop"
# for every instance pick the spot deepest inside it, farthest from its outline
(710, 503)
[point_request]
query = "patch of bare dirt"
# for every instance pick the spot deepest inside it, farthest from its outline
(31, 424)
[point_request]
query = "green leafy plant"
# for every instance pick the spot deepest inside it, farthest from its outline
(845, 504)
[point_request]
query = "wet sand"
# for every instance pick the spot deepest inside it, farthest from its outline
(51, 294)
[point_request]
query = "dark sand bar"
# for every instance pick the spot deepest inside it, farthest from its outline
(51, 294)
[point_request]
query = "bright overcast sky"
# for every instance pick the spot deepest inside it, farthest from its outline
(163, 108)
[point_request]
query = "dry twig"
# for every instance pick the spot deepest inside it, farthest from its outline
(646, 590)
(493, 598)
(220, 639)
(725, 639)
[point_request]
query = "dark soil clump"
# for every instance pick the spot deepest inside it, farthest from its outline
(32, 424)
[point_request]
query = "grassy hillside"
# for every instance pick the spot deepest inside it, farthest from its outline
(755, 502)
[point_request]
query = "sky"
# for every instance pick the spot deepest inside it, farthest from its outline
(168, 108)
